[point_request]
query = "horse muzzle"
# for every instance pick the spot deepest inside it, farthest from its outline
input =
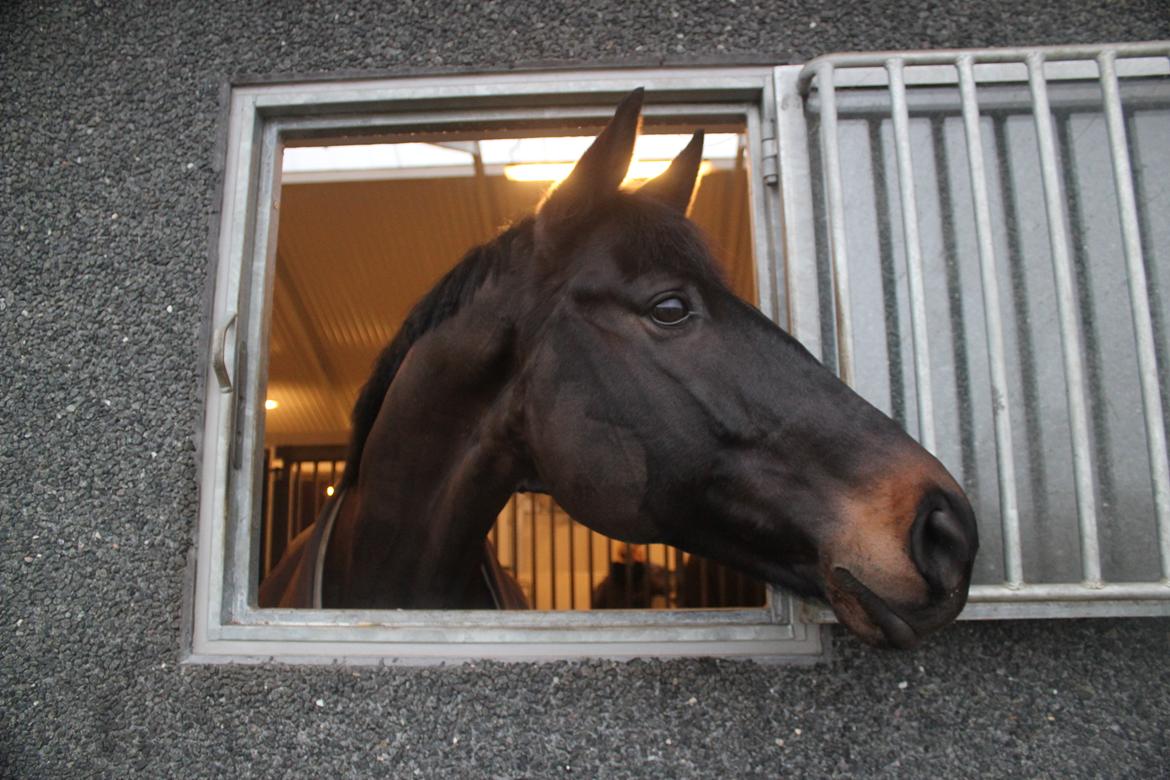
(897, 599)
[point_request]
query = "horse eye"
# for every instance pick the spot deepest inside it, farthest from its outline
(670, 311)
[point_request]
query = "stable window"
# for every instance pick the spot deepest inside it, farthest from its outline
(285, 339)
(1033, 394)
(366, 230)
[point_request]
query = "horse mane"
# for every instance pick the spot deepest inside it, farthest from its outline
(457, 287)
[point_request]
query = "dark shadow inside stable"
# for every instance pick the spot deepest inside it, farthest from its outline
(356, 248)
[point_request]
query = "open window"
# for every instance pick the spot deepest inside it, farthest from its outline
(332, 182)
(365, 230)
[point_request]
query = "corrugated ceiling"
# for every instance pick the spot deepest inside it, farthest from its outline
(353, 258)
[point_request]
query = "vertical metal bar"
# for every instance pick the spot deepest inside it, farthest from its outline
(270, 509)
(797, 226)
(704, 596)
(1070, 334)
(552, 548)
(1139, 301)
(993, 323)
(608, 561)
(319, 485)
(647, 594)
(572, 564)
(516, 536)
(592, 540)
(913, 243)
(294, 500)
(680, 574)
(532, 537)
(628, 557)
(318, 491)
(831, 154)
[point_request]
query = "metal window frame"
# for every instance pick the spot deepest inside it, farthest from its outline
(1040, 65)
(224, 623)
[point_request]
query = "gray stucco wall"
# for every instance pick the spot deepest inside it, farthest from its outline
(109, 122)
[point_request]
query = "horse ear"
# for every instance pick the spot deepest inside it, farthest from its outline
(676, 185)
(600, 171)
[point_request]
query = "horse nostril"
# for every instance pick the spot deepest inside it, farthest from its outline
(942, 548)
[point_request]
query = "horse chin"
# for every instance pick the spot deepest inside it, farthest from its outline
(866, 614)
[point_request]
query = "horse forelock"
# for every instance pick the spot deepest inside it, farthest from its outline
(653, 237)
(451, 294)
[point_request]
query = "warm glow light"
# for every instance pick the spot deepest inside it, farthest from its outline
(329, 490)
(270, 404)
(556, 172)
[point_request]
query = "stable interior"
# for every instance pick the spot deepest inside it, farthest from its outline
(365, 230)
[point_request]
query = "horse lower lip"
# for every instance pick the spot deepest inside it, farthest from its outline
(896, 630)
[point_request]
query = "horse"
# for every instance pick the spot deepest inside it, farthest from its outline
(592, 350)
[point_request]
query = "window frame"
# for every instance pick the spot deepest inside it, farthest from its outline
(224, 623)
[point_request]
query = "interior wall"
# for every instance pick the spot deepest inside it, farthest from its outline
(109, 131)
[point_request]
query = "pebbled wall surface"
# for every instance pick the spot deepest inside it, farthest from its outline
(108, 123)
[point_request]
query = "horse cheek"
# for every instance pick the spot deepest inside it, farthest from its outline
(595, 469)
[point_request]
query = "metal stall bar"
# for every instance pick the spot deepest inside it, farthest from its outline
(993, 322)
(589, 538)
(647, 592)
(532, 539)
(572, 564)
(318, 492)
(1139, 301)
(269, 511)
(913, 244)
(515, 514)
(294, 496)
(1070, 333)
(863, 75)
(830, 152)
(552, 550)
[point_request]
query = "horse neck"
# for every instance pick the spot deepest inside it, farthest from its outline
(436, 470)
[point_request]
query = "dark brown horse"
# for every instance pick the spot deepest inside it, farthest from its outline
(594, 350)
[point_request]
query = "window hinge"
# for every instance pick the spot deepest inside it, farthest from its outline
(771, 161)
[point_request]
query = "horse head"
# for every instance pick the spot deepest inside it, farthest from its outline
(595, 350)
(657, 406)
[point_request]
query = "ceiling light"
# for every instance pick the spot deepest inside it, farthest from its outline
(556, 172)
(271, 404)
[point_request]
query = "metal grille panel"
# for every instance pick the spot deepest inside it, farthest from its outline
(992, 272)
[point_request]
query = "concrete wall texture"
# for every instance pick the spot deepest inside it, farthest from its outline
(108, 124)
